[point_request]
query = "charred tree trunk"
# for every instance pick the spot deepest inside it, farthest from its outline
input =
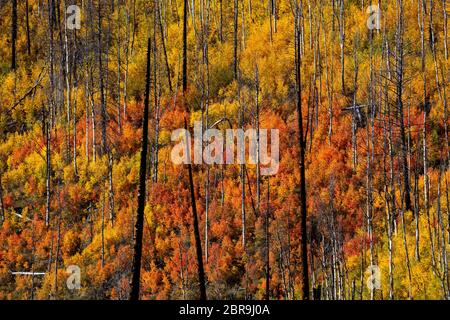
(399, 92)
(198, 244)
(163, 42)
(302, 195)
(139, 226)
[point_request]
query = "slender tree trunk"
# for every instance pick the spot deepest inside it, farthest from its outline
(258, 146)
(444, 9)
(424, 135)
(139, 226)
(342, 44)
(48, 170)
(127, 61)
(102, 88)
(13, 35)
(58, 245)
(185, 8)
(28, 27)
(86, 96)
(221, 21)
(119, 72)
(111, 188)
(399, 92)
(235, 39)
(103, 232)
(328, 81)
(2, 206)
(198, 244)
(443, 250)
(163, 42)
(302, 195)
(266, 240)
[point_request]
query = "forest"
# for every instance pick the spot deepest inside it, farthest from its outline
(93, 207)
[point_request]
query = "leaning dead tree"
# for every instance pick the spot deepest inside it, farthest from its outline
(139, 225)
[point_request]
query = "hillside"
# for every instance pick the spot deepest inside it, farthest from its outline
(374, 120)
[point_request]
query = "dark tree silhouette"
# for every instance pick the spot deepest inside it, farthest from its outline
(139, 226)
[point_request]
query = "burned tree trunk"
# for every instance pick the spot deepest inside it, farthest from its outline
(139, 226)
(163, 42)
(301, 140)
(399, 92)
(198, 244)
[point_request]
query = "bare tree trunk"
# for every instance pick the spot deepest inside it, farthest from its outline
(205, 93)
(2, 206)
(258, 146)
(102, 88)
(443, 251)
(119, 68)
(424, 134)
(13, 35)
(302, 195)
(28, 28)
(390, 195)
(416, 217)
(198, 244)
(111, 188)
(185, 8)
(127, 60)
(444, 9)
(156, 92)
(163, 42)
(86, 96)
(221, 21)
(266, 240)
(58, 245)
(399, 92)
(235, 41)
(94, 139)
(327, 79)
(342, 44)
(355, 112)
(103, 231)
(139, 226)
(48, 170)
